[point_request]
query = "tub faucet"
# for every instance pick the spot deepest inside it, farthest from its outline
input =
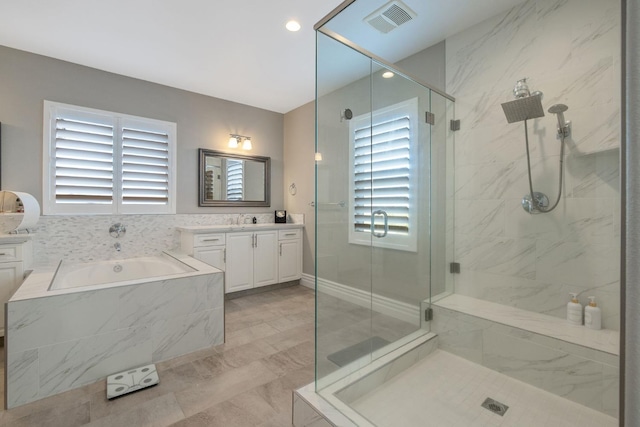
(117, 229)
(117, 246)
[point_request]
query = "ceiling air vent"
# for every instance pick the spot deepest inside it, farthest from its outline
(390, 16)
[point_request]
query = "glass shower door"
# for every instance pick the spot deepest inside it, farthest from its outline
(372, 209)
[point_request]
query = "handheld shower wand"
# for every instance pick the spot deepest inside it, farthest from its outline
(564, 127)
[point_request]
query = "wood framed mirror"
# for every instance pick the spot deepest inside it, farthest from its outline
(229, 179)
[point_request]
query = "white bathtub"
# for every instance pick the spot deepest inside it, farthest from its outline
(70, 275)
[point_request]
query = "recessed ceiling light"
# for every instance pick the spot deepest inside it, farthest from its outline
(293, 26)
(387, 74)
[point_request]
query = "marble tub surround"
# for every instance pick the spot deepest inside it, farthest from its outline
(84, 238)
(581, 374)
(571, 54)
(63, 339)
(248, 381)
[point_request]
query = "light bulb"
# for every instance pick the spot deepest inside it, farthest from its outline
(387, 74)
(318, 157)
(233, 142)
(246, 145)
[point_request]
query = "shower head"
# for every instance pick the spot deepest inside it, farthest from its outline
(559, 110)
(529, 107)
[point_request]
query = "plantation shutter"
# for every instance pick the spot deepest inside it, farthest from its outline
(382, 174)
(101, 162)
(234, 179)
(145, 166)
(83, 160)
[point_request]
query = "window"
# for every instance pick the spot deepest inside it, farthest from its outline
(384, 151)
(99, 162)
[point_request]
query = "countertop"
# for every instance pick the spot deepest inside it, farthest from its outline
(226, 228)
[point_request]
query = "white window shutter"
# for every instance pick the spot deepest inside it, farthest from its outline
(384, 153)
(145, 166)
(99, 162)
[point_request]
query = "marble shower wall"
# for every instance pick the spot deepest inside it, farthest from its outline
(569, 49)
(85, 238)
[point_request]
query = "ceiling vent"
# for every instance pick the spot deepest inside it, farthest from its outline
(390, 16)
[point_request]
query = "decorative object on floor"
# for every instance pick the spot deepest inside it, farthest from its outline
(356, 351)
(280, 217)
(131, 380)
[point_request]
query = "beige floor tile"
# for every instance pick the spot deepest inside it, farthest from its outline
(223, 387)
(68, 414)
(158, 412)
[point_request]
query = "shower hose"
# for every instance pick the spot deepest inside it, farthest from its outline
(534, 201)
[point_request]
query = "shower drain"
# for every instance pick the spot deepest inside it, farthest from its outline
(495, 406)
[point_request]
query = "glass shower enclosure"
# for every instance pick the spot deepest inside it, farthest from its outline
(382, 198)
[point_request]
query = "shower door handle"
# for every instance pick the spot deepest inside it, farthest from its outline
(373, 223)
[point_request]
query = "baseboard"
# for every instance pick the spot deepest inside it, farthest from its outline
(388, 306)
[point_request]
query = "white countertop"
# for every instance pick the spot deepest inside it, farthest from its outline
(15, 238)
(225, 228)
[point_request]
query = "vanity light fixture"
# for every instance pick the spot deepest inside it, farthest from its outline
(235, 140)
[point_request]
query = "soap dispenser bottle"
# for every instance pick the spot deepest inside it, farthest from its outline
(574, 310)
(593, 315)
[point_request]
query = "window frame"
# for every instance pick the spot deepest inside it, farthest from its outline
(403, 242)
(54, 110)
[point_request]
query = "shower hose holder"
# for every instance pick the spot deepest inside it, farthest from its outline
(542, 201)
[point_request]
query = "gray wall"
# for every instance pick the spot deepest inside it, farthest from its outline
(203, 122)
(299, 151)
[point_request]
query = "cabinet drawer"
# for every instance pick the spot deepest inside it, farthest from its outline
(289, 234)
(200, 240)
(10, 253)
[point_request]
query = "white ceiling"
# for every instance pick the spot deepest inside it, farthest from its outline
(237, 50)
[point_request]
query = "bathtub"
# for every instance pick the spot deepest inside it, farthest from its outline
(70, 275)
(77, 324)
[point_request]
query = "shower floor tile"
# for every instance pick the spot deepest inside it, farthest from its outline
(445, 390)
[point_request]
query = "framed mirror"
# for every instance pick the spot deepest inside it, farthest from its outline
(229, 179)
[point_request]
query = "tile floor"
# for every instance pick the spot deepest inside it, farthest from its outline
(445, 390)
(269, 351)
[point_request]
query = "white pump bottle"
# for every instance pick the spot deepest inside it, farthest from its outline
(593, 315)
(574, 310)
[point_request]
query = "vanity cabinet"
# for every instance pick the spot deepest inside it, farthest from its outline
(289, 255)
(251, 257)
(251, 260)
(15, 258)
(210, 248)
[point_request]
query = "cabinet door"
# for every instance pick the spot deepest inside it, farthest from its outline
(265, 258)
(212, 255)
(290, 264)
(10, 278)
(239, 265)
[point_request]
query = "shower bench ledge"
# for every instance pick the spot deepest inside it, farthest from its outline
(604, 340)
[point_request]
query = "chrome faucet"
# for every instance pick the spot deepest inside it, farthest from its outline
(117, 229)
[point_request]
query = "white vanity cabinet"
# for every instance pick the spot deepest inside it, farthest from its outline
(251, 256)
(209, 248)
(251, 260)
(289, 255)
(15, 258)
